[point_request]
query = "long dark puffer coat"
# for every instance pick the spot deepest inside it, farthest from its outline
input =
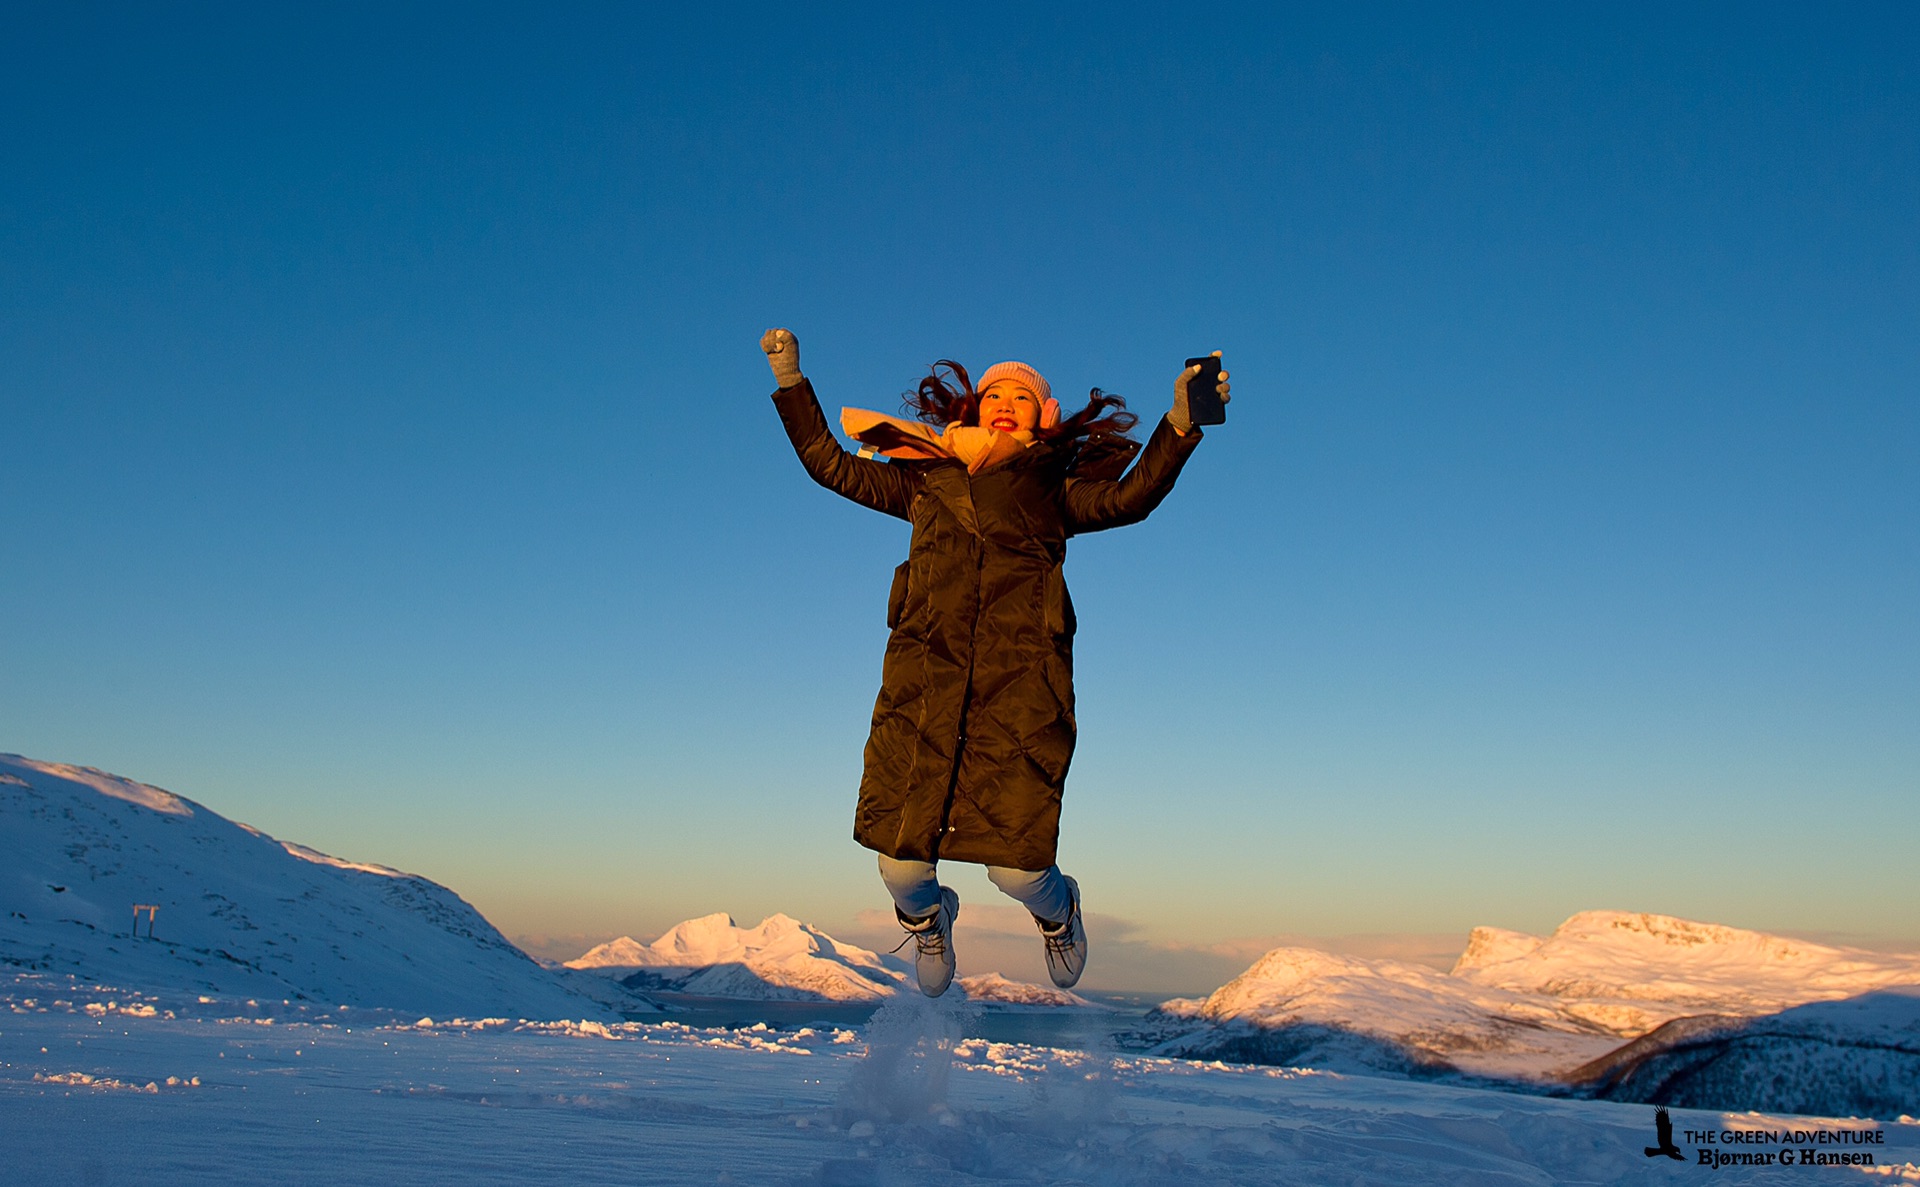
(973, 730)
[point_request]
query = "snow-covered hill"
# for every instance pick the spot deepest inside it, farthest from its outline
(998, 992)
(784, 959)
(239, 914)
(1302, 1007)
(1515, 1006)
(1854, 1058)
(1630, 972)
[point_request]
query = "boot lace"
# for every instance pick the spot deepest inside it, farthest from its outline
(927, 935)
(1058, 937)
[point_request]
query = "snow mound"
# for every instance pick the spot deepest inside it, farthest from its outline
(781, 959)
(238, 914)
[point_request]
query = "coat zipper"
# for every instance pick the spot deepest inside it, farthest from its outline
(973, 657)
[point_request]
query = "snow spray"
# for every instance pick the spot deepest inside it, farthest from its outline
(909, 1057)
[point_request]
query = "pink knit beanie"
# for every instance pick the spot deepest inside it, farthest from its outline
(1021, 375)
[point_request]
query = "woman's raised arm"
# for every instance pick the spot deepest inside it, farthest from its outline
(1094, 505)
(879, 485)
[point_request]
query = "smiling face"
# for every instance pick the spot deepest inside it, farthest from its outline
(1007, 406)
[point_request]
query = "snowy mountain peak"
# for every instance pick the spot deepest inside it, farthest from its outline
(1692, 967)
(1644, 930)
(1284, 970)
(702, 937)
(780, 959)
(712, 939)
(784, 959)
(1492, 945)
(623, 953)
(1637, 936)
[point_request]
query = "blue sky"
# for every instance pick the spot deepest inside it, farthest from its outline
(388, 465)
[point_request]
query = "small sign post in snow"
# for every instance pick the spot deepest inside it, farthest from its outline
(151, 909)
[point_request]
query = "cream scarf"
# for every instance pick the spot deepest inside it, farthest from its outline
(977, 446)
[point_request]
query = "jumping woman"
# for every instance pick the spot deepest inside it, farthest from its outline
(973, 729)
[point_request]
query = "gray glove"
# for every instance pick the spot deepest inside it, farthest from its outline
(783, 355)
(1183, 423)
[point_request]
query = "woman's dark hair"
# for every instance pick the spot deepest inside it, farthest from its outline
(944, 400)
(946, 395)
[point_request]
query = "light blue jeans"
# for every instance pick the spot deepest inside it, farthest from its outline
(916, 888)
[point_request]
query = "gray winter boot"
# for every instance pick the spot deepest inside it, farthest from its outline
(1066, 943)
(933, 937)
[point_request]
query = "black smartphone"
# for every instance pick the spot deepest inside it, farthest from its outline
(1204, 405)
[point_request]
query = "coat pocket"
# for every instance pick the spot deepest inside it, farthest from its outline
(1050, 750)
(1058, 607)
(897, 596)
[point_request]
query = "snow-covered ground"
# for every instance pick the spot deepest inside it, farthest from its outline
(306, 1019)
(100, 1086)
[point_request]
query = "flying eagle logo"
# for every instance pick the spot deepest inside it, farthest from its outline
(1663, 1127)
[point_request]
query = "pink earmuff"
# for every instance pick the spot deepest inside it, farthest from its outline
(1049, 413)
